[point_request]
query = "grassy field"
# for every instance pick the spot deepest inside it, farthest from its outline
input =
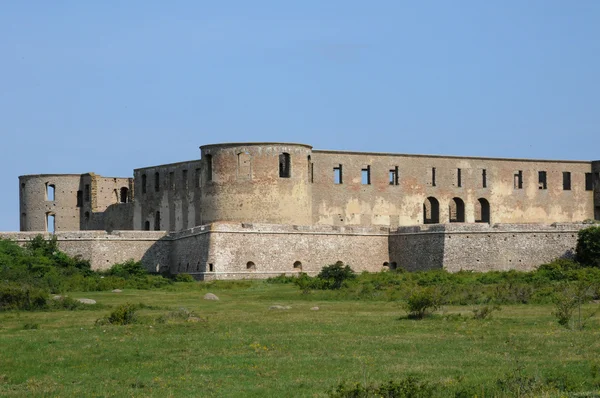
(242, 348)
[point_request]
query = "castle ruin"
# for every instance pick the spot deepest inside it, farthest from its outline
(251, 210)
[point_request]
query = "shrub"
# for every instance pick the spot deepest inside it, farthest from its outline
(422, 302)
(128, 269)
(588, 246)
(184, 278)
(567, 300)
(485, 311)
(22, 297)
(125, 314)
(336, 274)
(409, 387)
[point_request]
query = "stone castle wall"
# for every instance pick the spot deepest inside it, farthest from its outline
(482, 247)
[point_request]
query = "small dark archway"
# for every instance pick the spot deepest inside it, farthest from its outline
(482, 211)
(457, 210)
(147, 226)
(251, 266)
(124, 197)
(431, 211)
(298, 265)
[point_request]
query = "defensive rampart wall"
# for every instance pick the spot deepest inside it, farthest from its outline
(482, 247)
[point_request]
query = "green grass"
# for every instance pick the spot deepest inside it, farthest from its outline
(241, 348)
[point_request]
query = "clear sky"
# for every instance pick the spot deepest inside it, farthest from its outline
(109, 86)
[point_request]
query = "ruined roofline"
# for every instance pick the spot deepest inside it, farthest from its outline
(166, 165)
(234, 144)
(332, 152)
(66, 175)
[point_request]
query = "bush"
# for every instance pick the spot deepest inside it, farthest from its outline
(422, 302)
(128, 269)
(125, 314)
(336, 274)
(184, 278)
(588, 246)
(409, 387)
(567, 300)
(485, 311)
(22, 297)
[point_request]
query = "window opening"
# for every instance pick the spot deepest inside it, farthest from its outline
(144, 183)
(244, 165)
(431, 211)
(310, 170)
(337, 174)
(298, 265)
(124, 195)
(147, 226)
(542, 183)
(209, 168)
(211, 267)
(457, 210)
(198, 178)
(394, 176)
(566, 180)
(172, 180)
(482, 211)
(519, 179)
(393, 265)
(79, 198)
(23, 220)
(86, 216)
(433, 176)
(156, 182)
(50, 192)
(589, 182)
(250, 265)
(50, 223)
(157, 221)
(86, 192)
(184, 179)
(459, 178)
(284, 165)
(484, 178)
(365, 176)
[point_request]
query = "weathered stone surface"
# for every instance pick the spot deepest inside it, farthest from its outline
(86, 301)
(211, 296)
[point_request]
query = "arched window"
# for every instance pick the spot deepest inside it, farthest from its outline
(457, 210)
(50, 188)
(431, 211)
(298, 265)
(124, 195)
(482, 210)
(147, 226)
(250, 266)
(284, 165)
(50, 223)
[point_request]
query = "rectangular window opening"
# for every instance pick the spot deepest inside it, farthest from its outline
(519, 180)
(484, 178)
(337, 175)
(156, 182)
(589, 182)
(394, 176)
(50, 223)
(209, 168)
(284, 165)
(459, 178)
(433, 176)
(144, 181)
(566, 180)
(79, 198)
(198, 178)
(86, 192)
(184, 179)
(542, 182)
(365, 176)
(50, 192)
(172, 180)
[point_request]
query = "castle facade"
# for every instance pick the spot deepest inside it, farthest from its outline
(257, 209)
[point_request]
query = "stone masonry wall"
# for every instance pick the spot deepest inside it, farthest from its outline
(104, 249)
(482, 247)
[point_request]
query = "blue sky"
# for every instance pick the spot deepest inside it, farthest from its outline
(110, 86)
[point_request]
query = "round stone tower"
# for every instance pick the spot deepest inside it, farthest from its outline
(50, 202)
(257, 182)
